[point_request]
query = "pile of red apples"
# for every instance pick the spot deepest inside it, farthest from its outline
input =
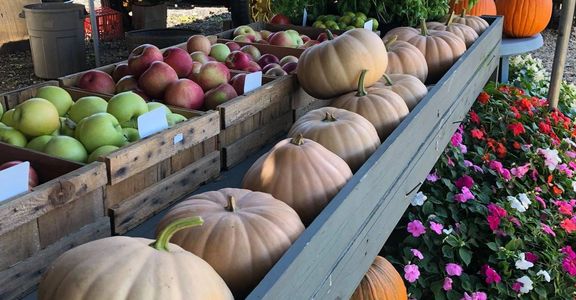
(285, 38)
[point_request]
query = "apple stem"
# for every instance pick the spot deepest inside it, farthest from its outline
(423, 28)
(329, 117)
(161, 243)
(232, 205)
(361, 89)
(388, 80)
(298, 140)
(329, 34)
(391, 41)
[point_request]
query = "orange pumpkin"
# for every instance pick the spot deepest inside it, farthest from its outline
(381, 282)
(482, 7)
(524, 18)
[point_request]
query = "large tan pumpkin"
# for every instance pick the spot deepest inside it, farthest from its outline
(381, 106)
(243, 236)
(462, 31)
(126, 268)
(404, 58)
(524, 18)
(381, 282)
(478, 24)
(300, 172)
(401, 33)
(482, 7)
(347, 134)
(406, 86)
(332, 68)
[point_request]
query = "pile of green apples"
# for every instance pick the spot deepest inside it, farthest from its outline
(349, 20)
(80, 131)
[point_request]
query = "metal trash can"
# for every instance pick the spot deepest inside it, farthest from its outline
(56, 38)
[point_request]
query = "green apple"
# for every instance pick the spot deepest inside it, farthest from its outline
(86, 106)
(57, 96)
(100, 151)
(317, 24)
(98, 130)
(374, 24)
(67, 127)
(131, 134)
(359, 22)
(219, 52)
(361, 15)
(345, 19)
(127, 107)
(350, 14)
(1, 110)
(38, 143)
(12, 136)
(7, 118)
(154, 105)
(174, 119)
(350, 27)
(321, 18)
(295, 37)
(36, 117)
(66, 147)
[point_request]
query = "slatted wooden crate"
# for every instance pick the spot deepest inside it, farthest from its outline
(147, 175)
(65, 210)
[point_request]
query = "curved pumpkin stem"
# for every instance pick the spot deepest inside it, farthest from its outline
(298, 140)
(423, 28)
(361, 89)
(166, 234)
(450, 18)
(463, 13)
(329, 117)
(231, 207)
(388, 79)
(329, 34)
(391, 41)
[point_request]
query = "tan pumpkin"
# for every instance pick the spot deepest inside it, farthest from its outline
(243, 236)
(482, 7)
(410, 88)
(404, 58)
(478, 24)
(381, 282)
(300, 172)
(332, 68)
(524, 18)
(381, 106)
(401, 34)
(346, 134)
(465, 32)
(126, 268)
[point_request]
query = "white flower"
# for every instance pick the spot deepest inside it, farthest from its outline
(551, 158)
(418, 199)
(524, 200)
(526, 284)
(514, 203)
(574, 186)
(522, 263)
(448, 231)
(544, 274)
(569, 141)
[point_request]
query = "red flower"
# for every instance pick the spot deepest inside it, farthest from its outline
(525, 105)
(568, 225)
(501, 150)
(516, 128)
(483, 98)
(515, 112)
(545, 128)
(474, 117)
(517, 145)
(477, 134)
(556, 190)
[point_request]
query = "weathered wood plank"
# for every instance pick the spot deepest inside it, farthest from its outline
(186, 157)
(15, 97)
(19, 244)
(19, 279)
(134, 211)
(13, 27)
(125, 189)
(309, 266)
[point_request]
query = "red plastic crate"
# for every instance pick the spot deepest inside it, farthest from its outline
(109, 24)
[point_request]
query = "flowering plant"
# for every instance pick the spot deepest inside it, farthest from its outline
(495, 217)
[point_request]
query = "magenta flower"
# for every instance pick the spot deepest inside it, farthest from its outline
(497, 210)
(570, 154)
(464, 196)
(432, 177)
(436, 227)
(493, 222)
(517, 286)
(547, 229)
(531, 257)
(417, 253)
(491, 275)
(475, 296)
(411, 273)
(453, 269)
(447, 285)
(564, 207)
(569, 261)
(416, 228)
(464, 181)
(541, 201)
(456, 139)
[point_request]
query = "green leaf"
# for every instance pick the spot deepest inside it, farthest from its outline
(428, 208)
(467, 284)
(452, 241)
(436, 288)
(465, 255)
(493, 246)
(447, 252)
(514, 244)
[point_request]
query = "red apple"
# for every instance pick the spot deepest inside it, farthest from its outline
(219, 95)
(142, 57)
(252, 67)
(233, 46)
(126, 83)
(280, 19)
(281, 38)
(32, 175)
(270, 66)
(97, 81)
(253, 51)
(212, 74)
(265, 34)
(196, 66)
(156, 79)
(257, 36)
(237, 82)
(323, 36)
(275, 72)
(200, 57)
(179, 60)
(288, 58)
(198, 43)
(244, 38)
(305, 38)
(184, 93)
(237, 60)
(290, 67)
(267, 59)
(120, 71)
(309, 44)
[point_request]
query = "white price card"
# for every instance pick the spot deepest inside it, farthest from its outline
(304, 17)
(368, 25)
(252, 81)
(14, 180)
(152, 122)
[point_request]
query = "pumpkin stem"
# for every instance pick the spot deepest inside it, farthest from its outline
(450, 17)
(423, 28)
(231, 207)
(388, 79)
(329, 117)
(166, 234)
(329, 34)
(391, 41)
(361, 89)
(463, 13)
(298, 140)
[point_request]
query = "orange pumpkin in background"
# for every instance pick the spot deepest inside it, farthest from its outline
(482, 7)
(524, 18)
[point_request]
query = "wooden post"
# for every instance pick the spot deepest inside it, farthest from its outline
(561, 51)
(95, 33)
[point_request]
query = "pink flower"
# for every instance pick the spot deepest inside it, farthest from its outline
(464, 181)
(474, 167)
(417, 253)
(569, 261)
(564, 169)
(464, 196)
(520, 171)
(547, 229)
(515, 221)
(493, 222)
(463, 148)
(571, 154)
(411, 273)
(453, 269)
(517, 286)
(475, 296)
(491, 275)
(450, 162)
(572, 165)
(540, 200)
(416, 228)
(568, 225)
(498, 167)
(456, 139)
(495, 209)
(506, 174)
(436, 227)
(447, 285)
(432, 177)
(564, 207)
(531, 257)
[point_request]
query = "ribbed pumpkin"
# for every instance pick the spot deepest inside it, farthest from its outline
(482, 7)
(381, 282)
(406, 86)
(346, 134)
(401, 33)
(404, 58)
(332, 68)
(381, 106)
(126, 268)
(465, 32)
(243, 236)
(524, 18)
(300, 172)
(477, 23)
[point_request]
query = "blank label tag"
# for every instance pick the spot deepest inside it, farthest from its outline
(152, 122)
(252, 81)
(368, 25)
(14, 180)
(304, 17)
(178, 138)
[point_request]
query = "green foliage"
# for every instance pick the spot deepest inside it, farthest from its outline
(407, 12)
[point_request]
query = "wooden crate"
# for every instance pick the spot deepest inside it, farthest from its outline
(65, 210)
(147, 175)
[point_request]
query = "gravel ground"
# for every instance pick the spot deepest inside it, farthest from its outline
(546, 53)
